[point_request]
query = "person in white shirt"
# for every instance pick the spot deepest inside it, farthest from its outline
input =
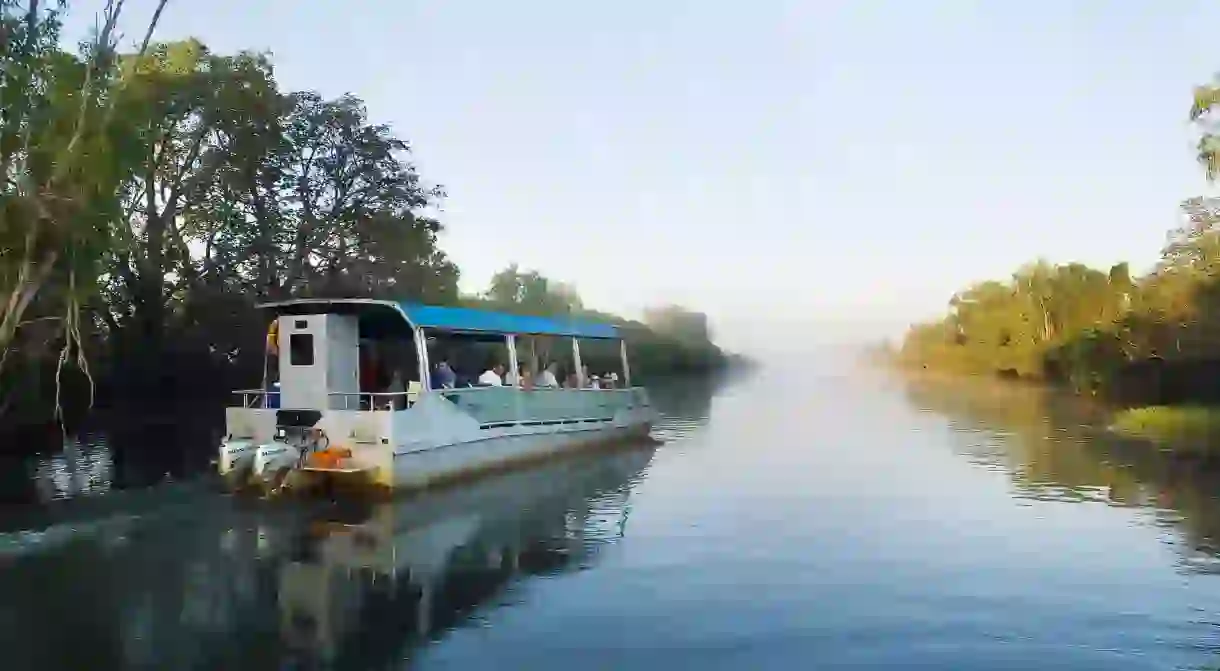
(589, 380)
(519, 379)
(547, 377)
(492, 376)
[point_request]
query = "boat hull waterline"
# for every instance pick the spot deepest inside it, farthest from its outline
(443, 436)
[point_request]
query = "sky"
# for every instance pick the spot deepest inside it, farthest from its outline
(801, 171)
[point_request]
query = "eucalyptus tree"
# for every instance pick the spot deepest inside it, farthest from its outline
(64, 156)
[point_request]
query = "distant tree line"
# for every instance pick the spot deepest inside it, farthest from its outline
(654, 347)
(1146, 339)
(150, 199)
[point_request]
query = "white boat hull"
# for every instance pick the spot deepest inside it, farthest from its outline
(425, 467)
(445, 435)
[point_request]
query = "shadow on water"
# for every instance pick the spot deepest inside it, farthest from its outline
(1054, 447)
(177, 576)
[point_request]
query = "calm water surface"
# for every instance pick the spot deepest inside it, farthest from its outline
(824, 518)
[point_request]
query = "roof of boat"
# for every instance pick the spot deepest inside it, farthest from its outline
(472, 320)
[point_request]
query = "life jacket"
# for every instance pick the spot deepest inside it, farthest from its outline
(273, 338)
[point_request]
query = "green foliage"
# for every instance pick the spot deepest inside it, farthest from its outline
(151, 199)
(653, 351)
(1046, 320)
(63, 162)
(1206, 99)
(1083, 326)
(679, 323)
(529, 292)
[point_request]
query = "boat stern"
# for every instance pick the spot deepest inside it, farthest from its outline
(246, 429)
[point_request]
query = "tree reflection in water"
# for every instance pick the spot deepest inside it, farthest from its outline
(1055, 448)
(229, 584)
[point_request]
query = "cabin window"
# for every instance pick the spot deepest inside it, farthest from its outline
(300, 349)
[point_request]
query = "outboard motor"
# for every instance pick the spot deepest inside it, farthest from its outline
(296, 428)
(295, 438)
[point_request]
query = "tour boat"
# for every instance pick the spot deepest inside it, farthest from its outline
(317, 426)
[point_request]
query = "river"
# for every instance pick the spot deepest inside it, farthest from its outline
(830, 516)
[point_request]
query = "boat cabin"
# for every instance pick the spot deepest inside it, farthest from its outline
(359, 354)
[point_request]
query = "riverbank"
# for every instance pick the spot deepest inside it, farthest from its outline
(1188, 430)
(1184, 432)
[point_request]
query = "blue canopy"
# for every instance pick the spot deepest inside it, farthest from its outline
(482, 321)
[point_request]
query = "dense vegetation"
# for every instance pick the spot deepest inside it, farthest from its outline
(1146, 339)
(150, 199)
(663, 344)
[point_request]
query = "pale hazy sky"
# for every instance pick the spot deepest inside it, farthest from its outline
(840, 167)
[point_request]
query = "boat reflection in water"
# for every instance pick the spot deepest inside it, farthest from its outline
(365, 582)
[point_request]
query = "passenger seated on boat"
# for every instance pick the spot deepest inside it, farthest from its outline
(590, 380)
(546, 379)
(396, 387)
(444, 377)
(492, 377)
(520, 378)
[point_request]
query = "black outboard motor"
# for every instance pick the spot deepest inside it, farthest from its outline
(296, 427)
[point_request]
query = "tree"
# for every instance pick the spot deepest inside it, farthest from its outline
(529, 292)
(1206, 99)
(250, 194)
(151, 199)
(1045, 320)
(332, 207)
(679, 322)
(62, 163)
(183, 96)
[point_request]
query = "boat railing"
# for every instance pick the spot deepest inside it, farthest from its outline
(255, 398)
(491, 388)
(400, 400)
(264, 398)
(364, 400)
(505, 405)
